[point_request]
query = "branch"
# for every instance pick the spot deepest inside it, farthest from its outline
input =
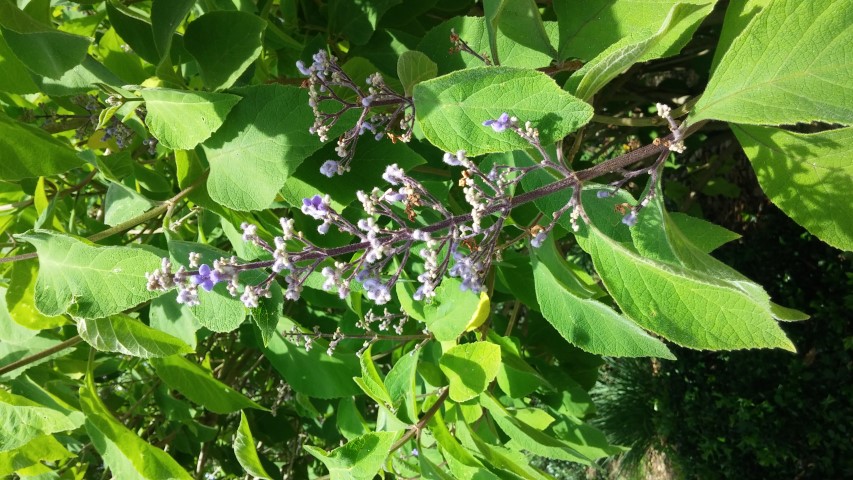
(38, 356)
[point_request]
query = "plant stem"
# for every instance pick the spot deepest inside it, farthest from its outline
(414, 429)
(38, 356)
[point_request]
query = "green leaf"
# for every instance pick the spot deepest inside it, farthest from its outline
(588, 28)
(400, 381)
(371, 382)
(515, 377)
(30, 152)
(589, 324)
(122, 204)
(301, 369)
(126, 455)
(45, 449)
(135, 29)
(620, 56)
(414, 67)
(470, 368)
(349, 420)
(180, 120)
(447, 315)
(529, 437)
(86, 280)
(198, 385)
(224, 44)
(169, 316)
(790, 64)
(704, 235)
(586, 439)
(460, 461)
(738, 16)
(687, 307)
(451, 109)
(473, 30)
(166, 16)
(266, 314)
(256, 149)
(42, 49)
(20, 298)
(244, 450)
(808, 176)
(25, 420)
(16, 77)
(359, 459)
(785, 314)
(520, 21)
(357, 19)
(128, 336)
(12, 332)
(503, 459)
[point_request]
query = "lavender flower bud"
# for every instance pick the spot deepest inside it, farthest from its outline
(501, 123)
(393, 174)
(316, 207)
(203, 278)
(330, 168)
(630, 219)
(602, 194)
(300, 65)
(536, 241)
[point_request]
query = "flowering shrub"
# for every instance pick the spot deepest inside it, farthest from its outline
(462, 205)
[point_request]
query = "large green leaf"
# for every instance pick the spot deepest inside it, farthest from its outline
(791, 64)
(166, 15)
(705, 235)
(620, 56)
(129, 336)
(135, 29)
(520, 21)
(16, 77)
(302, 369)
(809, 177)
(180, 119)
(224, 44)
(28, 151)
(688, 307)
(244, 450)
(588, 28)
(357, 19)
(122, 204)
(460, 461)
(400, 380)
(590, 324)
(451, 109)
(257, 148)
(531, 438)
(37, 452)
(24, 420)
(414, 67)
(515, 377)
(473, 31)
(198, 385)
(359, 459)
(42, 49)
(371, 382)
(126, 455)
(12, 332)
(470, 368)
(88, 281)
(447, 315)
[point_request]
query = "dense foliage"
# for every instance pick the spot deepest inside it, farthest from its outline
(295, 239)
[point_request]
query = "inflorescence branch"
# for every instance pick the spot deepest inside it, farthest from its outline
(392, 234)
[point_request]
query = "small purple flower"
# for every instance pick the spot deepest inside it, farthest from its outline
(540, 237)
(366, 101)
(500, 124)
(300, 65)
(316, 207)
(330, 168)
(630, 219)
(393, 174)
(602, 194)
(204, 278)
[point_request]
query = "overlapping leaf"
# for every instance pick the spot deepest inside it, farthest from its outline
(129, 336)
(180, 120)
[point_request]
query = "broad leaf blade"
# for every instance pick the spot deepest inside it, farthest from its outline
(791, 64)
(29, 152)
(451, 109)
(359, 459)
(256, 149)
(199, 386)
(25, 420)
(807, 176)
(129, 336)
(127, 455)
(590, 324)
(180, 120)
(470, 368)
(74, 276)
(244, 450)
(224, 43)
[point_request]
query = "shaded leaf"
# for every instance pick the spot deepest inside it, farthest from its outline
(244, 450)
(122, 204)
(359, 459)
(198, 385)
(24, 420)
(414, 67)
(224, 44)
(128, 336)
(30, 152)
(470, 368)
